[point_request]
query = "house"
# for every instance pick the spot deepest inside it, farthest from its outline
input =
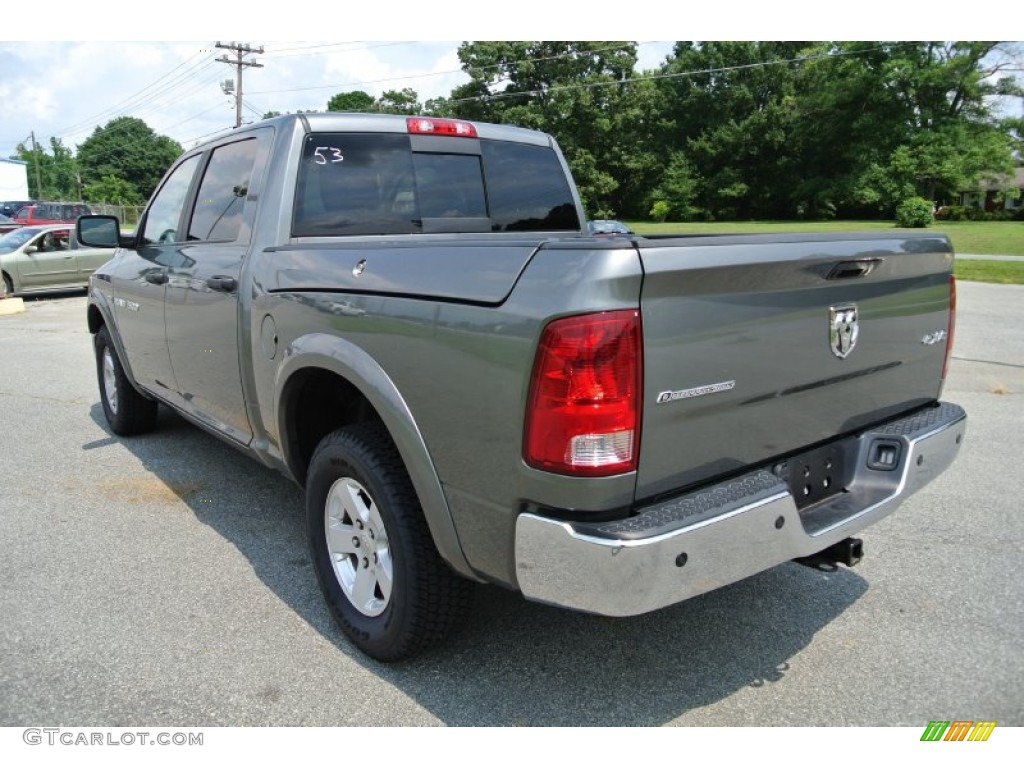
(991, 195)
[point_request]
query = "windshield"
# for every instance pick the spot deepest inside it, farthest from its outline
(17, 238)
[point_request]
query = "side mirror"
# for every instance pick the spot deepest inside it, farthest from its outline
(31, 249)
(98, 231)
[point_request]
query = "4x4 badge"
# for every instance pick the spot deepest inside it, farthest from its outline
(843, 329)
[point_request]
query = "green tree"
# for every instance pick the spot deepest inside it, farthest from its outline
(884, 121)
(351, 101)
(403, 102)
(678, 191)
(574, 91)
(58, 171)
(778, 129)
(730, 106)
(128, 149)
(114, 190)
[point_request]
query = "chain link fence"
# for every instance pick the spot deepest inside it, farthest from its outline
(128, 214)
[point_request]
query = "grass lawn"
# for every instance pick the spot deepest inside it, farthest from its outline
(976, 237)
(990, 271)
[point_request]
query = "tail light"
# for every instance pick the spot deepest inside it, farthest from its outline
(583, 411)
(952, 325)
(440, 126)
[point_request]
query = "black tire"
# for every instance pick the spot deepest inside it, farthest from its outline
(6, 287)
(426, 600)
(128, 412)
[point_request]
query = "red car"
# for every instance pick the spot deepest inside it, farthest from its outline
(51, 213)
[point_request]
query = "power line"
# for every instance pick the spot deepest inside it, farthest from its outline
(193, 117)
(446, 72)
(664, 76)
(175, 94)
(114, 109)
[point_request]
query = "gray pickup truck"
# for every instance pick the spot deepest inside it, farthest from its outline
(407, 317)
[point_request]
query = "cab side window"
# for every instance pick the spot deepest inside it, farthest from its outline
(221, 200)
(164, 214)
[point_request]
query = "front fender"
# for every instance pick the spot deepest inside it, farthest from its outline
(98, 302)
(341, 357)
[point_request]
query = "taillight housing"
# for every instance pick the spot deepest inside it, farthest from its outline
(583, 410)
(952, 325)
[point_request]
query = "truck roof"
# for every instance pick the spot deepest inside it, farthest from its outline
(369, 122)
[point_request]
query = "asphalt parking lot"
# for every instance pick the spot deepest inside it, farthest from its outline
(164, 580)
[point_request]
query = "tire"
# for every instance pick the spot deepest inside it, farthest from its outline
(381, 575)
(6, 287)
(128, 412)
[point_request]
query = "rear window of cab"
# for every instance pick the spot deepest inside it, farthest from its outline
(391, 184)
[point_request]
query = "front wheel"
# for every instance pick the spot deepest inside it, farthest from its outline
(384, 581)
(128, 412)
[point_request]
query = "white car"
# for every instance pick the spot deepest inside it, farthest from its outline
(46, 258)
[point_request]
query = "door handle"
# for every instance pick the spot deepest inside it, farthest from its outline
(845, 270)
(156, 278)
(222, 283)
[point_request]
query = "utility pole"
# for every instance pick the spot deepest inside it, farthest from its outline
(35, 156)
(240, 49)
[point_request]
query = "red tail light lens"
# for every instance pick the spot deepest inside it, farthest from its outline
(583, 411)
(440, 127)
(952, 325)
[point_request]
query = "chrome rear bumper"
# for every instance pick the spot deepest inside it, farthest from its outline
(718, 535)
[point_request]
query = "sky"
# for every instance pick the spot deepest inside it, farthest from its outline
(175, 86)
(123, 63)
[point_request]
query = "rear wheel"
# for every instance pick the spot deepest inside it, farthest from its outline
(128, 412)
(383, 579)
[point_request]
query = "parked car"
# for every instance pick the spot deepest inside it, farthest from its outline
(46, 258)
(10, 207)
(7, 224)
(608, 228)
(51, 213)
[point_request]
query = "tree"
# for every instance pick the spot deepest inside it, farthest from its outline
(884, 121)
(403, 102)
(58, 171)
(677, 191)
(784, 129)
(111, 189)
(127, 149)
(351, 101)
(779, 129)
(729, 106)
(572, 90)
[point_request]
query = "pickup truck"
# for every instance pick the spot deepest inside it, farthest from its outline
(407, 317)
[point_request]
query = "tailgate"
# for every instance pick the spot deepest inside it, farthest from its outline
(757, 346)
